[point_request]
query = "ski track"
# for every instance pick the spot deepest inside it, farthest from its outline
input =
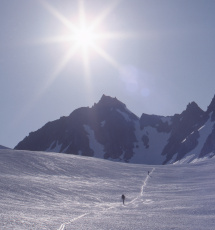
(142, 187)
(62, 227)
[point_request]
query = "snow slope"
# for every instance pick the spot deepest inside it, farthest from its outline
(59, 191)
(152, 153)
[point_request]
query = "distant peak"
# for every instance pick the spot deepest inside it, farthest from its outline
(193, 108)
(110, 101)
(105, 98)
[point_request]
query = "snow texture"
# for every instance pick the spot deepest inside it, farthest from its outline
(41, 191)
(204, 132)
(94, 144)
(150, 154)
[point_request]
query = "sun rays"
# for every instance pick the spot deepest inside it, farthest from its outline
(82, 37)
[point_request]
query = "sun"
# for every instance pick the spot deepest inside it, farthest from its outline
(80, 37)
(85, 38)
(80, 40)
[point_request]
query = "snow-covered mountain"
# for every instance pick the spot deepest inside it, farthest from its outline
(41, 191)
(109, 130)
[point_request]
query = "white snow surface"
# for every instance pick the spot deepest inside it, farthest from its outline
(94, 144)
(42, 190)
(204, 132)
(152, 154)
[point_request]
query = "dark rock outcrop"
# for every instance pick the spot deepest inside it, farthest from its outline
(109, 130)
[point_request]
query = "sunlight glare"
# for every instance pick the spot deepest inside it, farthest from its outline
(82, 37)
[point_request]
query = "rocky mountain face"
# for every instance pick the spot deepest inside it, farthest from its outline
(109, 130)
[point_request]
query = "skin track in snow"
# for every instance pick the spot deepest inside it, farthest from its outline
(42, 191)
(62, 227)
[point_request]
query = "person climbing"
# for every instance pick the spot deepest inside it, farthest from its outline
(123, 199)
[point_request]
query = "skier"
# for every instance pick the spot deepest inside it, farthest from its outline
(123, 199)
(148, 172)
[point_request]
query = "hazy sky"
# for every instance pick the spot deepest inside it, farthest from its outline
(155, 56)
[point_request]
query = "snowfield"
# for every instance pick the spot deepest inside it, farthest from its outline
(58, 191)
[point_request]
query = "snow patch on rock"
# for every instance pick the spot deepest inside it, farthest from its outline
(157, 141)
(94, 144)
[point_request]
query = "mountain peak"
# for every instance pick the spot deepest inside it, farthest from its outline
(193, 107)
(109, 130)
(110, 101)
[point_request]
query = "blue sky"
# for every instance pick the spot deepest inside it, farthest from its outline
(158, 56)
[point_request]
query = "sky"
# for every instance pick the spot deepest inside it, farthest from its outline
(155, 56)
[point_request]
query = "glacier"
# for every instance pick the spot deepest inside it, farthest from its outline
(44, 190)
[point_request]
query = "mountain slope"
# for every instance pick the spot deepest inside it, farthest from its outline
(109, 130)
(3, 147)
(60, 191)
